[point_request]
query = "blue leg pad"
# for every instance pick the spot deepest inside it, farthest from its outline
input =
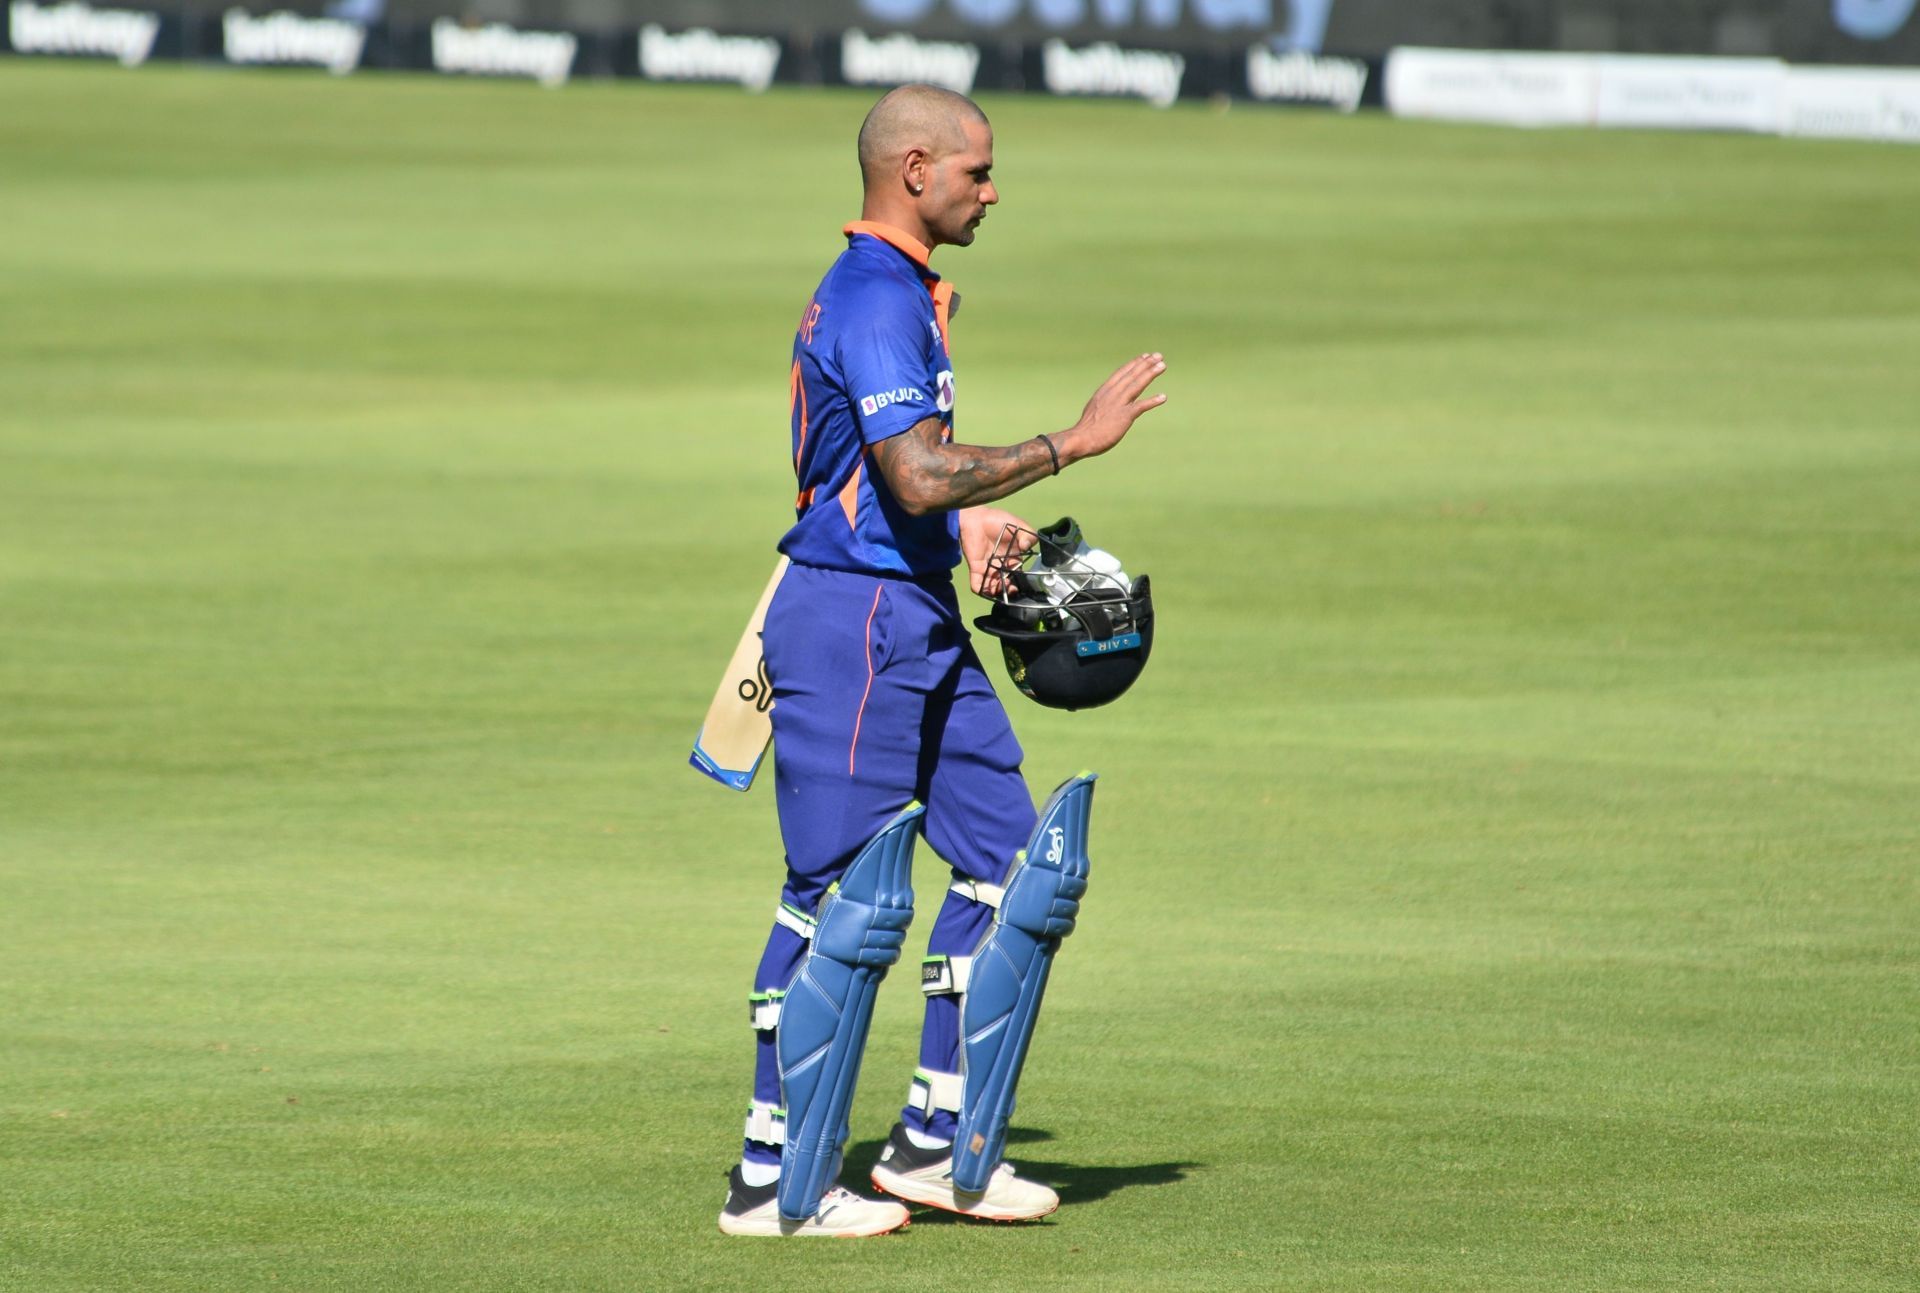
(822, 1033)
(1009, 976)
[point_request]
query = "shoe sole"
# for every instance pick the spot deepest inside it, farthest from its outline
(758, 1233)
(912, 1191)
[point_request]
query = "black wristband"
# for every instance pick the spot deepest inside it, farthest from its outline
(1051, 453)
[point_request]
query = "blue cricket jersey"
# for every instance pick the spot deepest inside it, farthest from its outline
(869, 360)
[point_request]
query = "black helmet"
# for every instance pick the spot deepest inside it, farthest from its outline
(1075, 635)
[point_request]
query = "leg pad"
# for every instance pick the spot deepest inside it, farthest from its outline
(1007, 976)
(823, 1019)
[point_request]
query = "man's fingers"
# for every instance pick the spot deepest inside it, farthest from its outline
(1139, 407)
(1132, 369)
(1143, 379)
(1117, 403)
(1135, 375)
(1115, 380)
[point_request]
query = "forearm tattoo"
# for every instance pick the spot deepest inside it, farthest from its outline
(927, 476)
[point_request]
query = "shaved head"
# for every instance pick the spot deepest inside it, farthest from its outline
(914, 116)
(926, 165)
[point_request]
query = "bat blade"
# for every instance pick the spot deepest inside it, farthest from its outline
(739, 723)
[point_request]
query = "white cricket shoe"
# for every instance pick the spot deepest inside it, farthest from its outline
(918, 1175)
(753, 1210)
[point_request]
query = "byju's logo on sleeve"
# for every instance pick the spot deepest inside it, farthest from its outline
(872, 404)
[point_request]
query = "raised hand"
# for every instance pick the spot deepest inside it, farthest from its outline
(1110, 414)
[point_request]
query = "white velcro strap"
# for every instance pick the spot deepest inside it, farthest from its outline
(796, 920)
(766, 1123)
(980, 891)
(931, 1090)
(945, 975)
(763, 1009)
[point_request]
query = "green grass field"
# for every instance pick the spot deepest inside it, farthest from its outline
(1504, 874)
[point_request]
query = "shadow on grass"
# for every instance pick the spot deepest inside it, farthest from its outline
(1076, 1184)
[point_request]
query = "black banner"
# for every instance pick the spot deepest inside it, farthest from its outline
(1828, 31)
(1281, 51)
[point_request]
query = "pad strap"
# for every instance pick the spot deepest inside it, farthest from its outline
(766, 1123)
(944, 976)
(979, 891)
(763, 1009)
(796, 920)
(932, 1090)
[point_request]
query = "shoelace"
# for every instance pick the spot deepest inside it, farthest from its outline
(832, 1199)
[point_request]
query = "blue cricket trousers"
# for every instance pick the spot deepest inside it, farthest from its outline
(879, 699)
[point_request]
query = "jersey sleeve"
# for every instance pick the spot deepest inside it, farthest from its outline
(883, 360)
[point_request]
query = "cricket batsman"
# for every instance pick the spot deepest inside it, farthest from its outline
(885, 728)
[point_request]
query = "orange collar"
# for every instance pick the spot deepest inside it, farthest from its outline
(886, 233)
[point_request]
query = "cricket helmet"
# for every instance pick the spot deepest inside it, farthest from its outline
(1074, 631)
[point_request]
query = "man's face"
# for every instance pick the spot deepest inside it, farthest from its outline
(960, 188)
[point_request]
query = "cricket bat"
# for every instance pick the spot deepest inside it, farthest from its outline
(739, 726)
